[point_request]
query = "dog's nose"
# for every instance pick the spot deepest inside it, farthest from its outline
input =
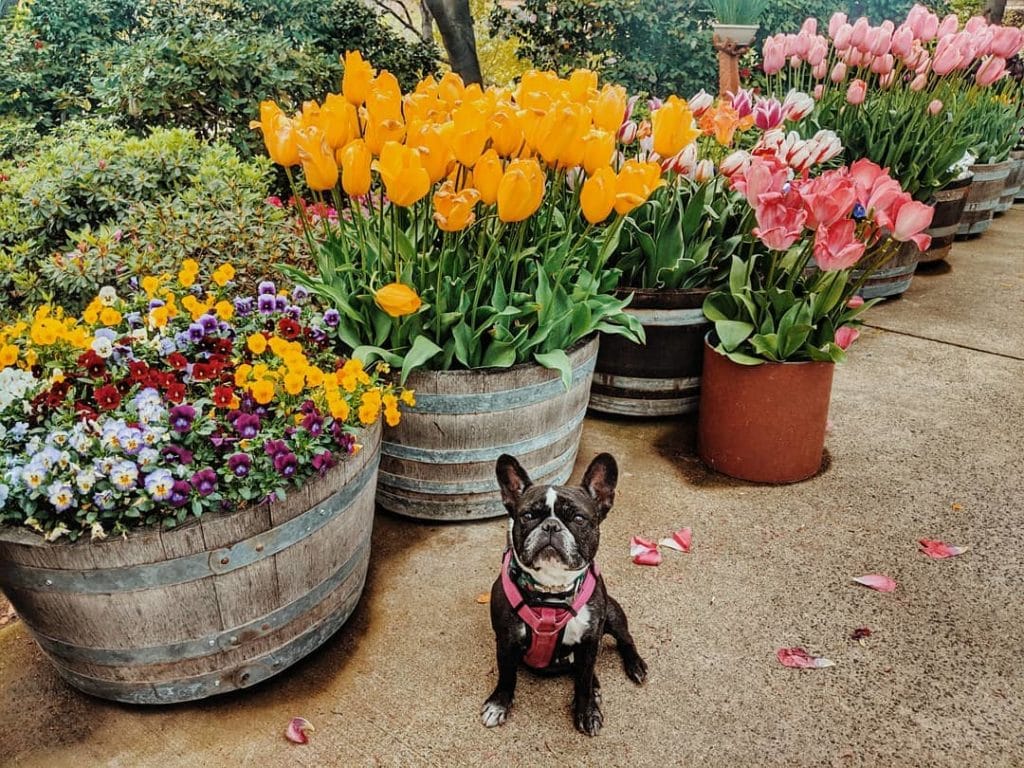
(551, 526)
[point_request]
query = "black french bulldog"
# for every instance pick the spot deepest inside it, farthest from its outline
(549, 606)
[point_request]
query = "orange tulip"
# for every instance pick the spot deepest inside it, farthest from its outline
(469, 133)
(487, 175)
(318, 163)
(397, 299)
(405, 178)
(430, 140)
(355, 159)
(597, 197)
(521, 190)
(598, 150)
(610, 108)
(635, 183)
(355, 83)
(278, 134)
(453, 211)
(673, 127)
(721, 122)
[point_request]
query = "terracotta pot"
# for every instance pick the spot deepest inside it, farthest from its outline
(949, 207)
(661, 377)
(764, 423)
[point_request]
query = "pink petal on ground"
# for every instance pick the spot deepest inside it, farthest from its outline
(296, 730)
(877, 581)
(644, 552)
(680, 540)
(939, 549)
(798, 658)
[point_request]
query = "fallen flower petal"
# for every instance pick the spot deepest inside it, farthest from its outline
(877, 581)
(939, 550)
(680, 540)
(644, 552)
(296, 730)
(798, 658)
(860, 633)
(483, 597)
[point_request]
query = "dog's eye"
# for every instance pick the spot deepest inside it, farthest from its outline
(527, 516)
(578, 518)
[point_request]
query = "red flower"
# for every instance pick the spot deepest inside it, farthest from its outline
(138, 371)
(107, 397)
(288, 328)
(203, 372)
(94, 365)
(175, 392)
(84, 412)
(177, 361)
(222, 396)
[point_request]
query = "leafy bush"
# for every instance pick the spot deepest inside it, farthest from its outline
(95, 205)
(200, 65)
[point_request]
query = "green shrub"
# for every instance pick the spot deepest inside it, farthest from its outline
(95, 205)
(202, 64)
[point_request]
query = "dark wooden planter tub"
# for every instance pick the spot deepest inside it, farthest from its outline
(949, 207)
(983, 197)
(221, 603)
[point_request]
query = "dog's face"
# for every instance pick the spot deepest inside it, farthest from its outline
(556, 529)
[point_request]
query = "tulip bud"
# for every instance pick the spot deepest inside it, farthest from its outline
(919, 82)
(991, 70)
(628, 131)
(838, 20)
(934, 107)
(397, 299)
(838, 72)
(818, 91)
(597, 196)
(704, 171)
(857, 92)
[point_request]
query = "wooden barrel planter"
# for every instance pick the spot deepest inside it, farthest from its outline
(661, 378)
(438, 464)
(1018, 154)
(983, 197)
(221, 603)
(1012, 186)
(949, 205)
(894, 277)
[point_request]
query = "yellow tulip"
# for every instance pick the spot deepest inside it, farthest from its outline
(430, 140)
(582, 83)
(453, 211)
(451, 89)
(380, 132)
(355, 83)
(506, 129)
(339, 121)
(598, 150)
(558, 133)
(278, 134)
(635, 183)
(610, 108)
(318, 163)
(597, 197)
(384, 101)
(397, 299)
(355, 160)
(487, 175)
(673, 127)
(405, 178)
(469, 133)
(521, 190)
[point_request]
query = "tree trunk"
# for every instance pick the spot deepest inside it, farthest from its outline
(455, 23)
(426, 23)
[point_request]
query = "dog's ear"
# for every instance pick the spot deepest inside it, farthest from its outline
(513, 480)
(599, 481)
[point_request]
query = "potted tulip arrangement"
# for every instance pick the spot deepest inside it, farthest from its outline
(780, 327)
(893, 94)
(195, 447)
(676, 247)
(470, 250)
(736, 21)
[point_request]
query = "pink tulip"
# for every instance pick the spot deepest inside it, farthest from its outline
(903, 42)
(857, 92)
(859, 36)
(780, 220)
(948, 26)
(934, 107)
(947, 56)
(797, 106)
(886, 198)
(879, 41)
(885, 81)
(818, 92)
(910, 219)
(865, 174)
(764, 175)
(990, 71)
(838, 20)
(929, 28)
(809, 27)
(841, 39)
(919, 82)
(767, 114)
(1006, 41)
(975, 24)
(774, 56)
(882, 65)
(828, 198)
(838, 73)
(855, 302)
(846, 335)
(915, 19)
(742, 102)
(837, 247)
(802, 45)
(795, 62)
(818, 52)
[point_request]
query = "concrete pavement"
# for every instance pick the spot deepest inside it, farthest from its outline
(927, 442)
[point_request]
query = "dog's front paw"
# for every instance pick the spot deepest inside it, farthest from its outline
(494, 712)
(636, 668)
(589, 719)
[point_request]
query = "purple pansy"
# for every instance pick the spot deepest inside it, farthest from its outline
(181, 418)
(204, 481)
(239, 464)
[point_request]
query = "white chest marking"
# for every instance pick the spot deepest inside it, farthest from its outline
(577, 626)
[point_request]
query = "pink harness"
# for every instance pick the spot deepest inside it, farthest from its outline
(545, 622)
